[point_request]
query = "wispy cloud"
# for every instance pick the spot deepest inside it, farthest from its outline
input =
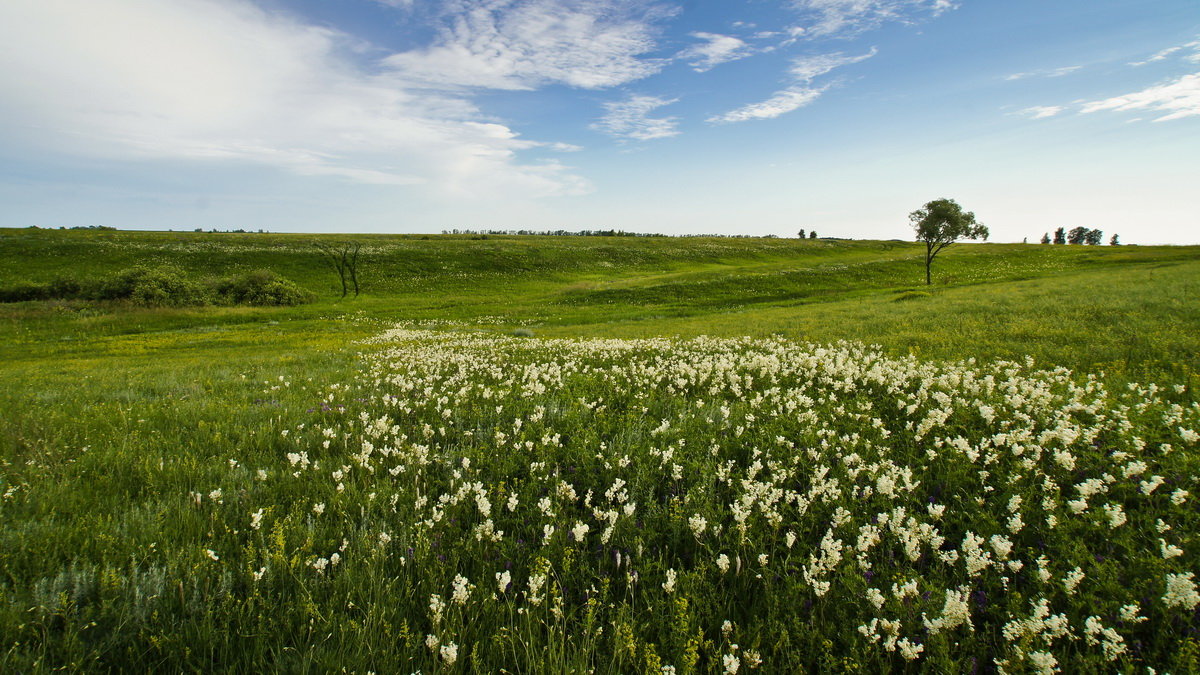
(1053, 72)
(630, 119)
(505, 44)
(803, 71)
(806, 68)
(1160, 56)
(851, 17)
(1178, 99)
(1038, 112)
(714, 50)
(226, 81)
(1164, 54)
(782, 102)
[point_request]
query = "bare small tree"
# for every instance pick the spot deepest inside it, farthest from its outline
(344, 260)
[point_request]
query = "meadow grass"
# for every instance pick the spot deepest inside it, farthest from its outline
(289, 488)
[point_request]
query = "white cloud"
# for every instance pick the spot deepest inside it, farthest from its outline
(1054, 72)
(1038, 112)
(805, 68)
(630, 119)
(803, 71)
(1194, 57)
(1157, 57)
(1177, 99)
(713, 51)
(781, 102)
(222, 80)
(850, 17)
(524, 44)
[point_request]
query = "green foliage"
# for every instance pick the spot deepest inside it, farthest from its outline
(940, 223)
(167, 286)
(161, 286)
(261, 288)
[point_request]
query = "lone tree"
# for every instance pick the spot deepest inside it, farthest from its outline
(343, 258)
(940, 223)
(1060, 236)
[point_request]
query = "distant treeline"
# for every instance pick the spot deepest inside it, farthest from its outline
(599, 233)
(1079, 236)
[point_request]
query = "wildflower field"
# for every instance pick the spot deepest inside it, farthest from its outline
(349, 492)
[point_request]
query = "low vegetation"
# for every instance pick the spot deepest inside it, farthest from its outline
(488, 462)
(166, 286)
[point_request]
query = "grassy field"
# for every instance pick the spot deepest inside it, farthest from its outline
(292, 488)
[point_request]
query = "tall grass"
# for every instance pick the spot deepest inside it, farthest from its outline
(287, 488)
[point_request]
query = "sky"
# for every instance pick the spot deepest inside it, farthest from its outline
(757, 117)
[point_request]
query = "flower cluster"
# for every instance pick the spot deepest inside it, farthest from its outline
(712, 481)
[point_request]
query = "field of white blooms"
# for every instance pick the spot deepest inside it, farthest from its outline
(722, 506)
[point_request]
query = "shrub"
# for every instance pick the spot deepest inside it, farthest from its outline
(23, 292)
(59, 289)
(66, 289)
(154, 287)
(261, 287)
(166, 287)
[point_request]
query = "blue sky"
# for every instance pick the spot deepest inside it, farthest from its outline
(684, 116)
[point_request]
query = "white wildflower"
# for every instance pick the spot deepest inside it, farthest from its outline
(1181, 591)
(1116, 515)
(1169, 550)
(1149, 486)
(1072, 579)
(436, 607)
(1043, 663)
(462, 590)
(1131, 614)
(875, 597)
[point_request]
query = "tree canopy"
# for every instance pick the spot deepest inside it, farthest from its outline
(940, 223)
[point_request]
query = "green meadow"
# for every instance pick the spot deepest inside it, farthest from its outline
(138, 443)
